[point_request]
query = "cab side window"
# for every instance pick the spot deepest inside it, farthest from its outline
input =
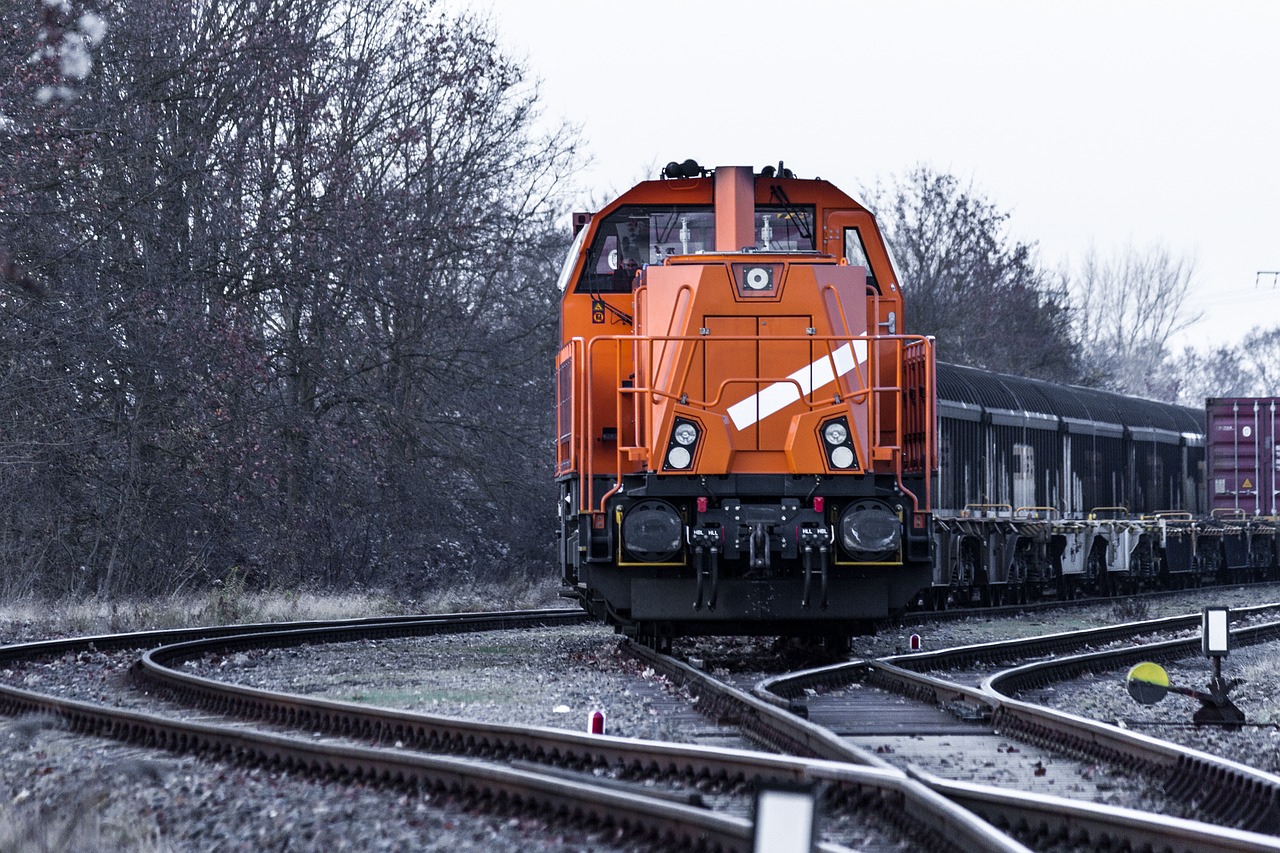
(856, 253)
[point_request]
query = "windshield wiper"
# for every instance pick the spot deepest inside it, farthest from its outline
(797, 216)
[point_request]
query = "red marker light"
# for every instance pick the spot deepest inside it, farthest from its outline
(702, 504)
(595, 722)
(819, 504)
(915, 642)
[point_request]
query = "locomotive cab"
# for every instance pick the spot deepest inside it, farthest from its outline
(745, 442)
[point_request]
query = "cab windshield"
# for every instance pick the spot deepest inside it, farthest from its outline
(636, 235)
(633, 236)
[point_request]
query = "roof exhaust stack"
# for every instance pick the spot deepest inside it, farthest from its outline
(735, 197)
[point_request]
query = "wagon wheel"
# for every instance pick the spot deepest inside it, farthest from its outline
(1095, 572)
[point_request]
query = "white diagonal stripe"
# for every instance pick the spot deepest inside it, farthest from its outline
(779, 395)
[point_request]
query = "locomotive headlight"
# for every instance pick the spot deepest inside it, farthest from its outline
(757, 280)
(839, 446)
(871, 532)
(682, 445)
(841, 457)
(652, 531)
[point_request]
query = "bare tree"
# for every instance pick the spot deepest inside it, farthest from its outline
(1248, 369)
(983, 295)
(1192, 375)
(299, 314)
(1127, 308)
(1260, 354)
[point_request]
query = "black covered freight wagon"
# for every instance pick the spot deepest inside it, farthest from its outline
(1009, 440)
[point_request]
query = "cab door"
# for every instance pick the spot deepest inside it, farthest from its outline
(750, 375)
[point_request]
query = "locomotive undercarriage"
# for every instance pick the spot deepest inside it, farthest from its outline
(745, 554)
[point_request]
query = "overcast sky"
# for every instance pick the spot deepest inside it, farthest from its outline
(1092, 121)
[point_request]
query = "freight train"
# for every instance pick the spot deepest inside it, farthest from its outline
(1048, 490)
(748, 441)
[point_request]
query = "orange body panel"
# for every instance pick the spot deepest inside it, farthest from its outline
(688, 331)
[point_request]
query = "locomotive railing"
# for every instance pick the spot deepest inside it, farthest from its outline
(893, 378)
(919, 410)
(566, 395)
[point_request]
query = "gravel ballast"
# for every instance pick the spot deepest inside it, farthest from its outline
(63, 791)
(110, 796)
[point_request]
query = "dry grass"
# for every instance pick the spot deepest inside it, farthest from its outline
(231, 603)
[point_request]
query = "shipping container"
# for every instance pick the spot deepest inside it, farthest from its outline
(1243, 457)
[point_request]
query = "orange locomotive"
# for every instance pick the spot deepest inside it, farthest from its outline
(746, 439)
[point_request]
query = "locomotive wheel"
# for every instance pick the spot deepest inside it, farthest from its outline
(651, 640)
(836, 644)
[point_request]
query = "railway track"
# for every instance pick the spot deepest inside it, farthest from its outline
(1034, 820)
(919, 614)
(511, 767)
(520, 768)
(964, 693)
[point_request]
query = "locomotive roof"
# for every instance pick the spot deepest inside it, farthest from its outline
(974, 390)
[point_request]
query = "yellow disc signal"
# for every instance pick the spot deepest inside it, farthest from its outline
(1148, 683)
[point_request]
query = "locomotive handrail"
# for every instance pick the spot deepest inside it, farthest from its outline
(648, 386)
(928, 453)
(686, 400)
(698, 339)
(1119, 510)
(826, 289)
(568, 461)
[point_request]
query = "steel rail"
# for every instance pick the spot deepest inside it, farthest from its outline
(1244, 796)
(1241, 796)
(913, 808)
(423, 623)
(1090, 825)
(413, 730)
(663, 822)
(959, 612)
(880, 789)
(778, 689)
(887, 786)
(670, 824)
(771, 725)
(1093, 825)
